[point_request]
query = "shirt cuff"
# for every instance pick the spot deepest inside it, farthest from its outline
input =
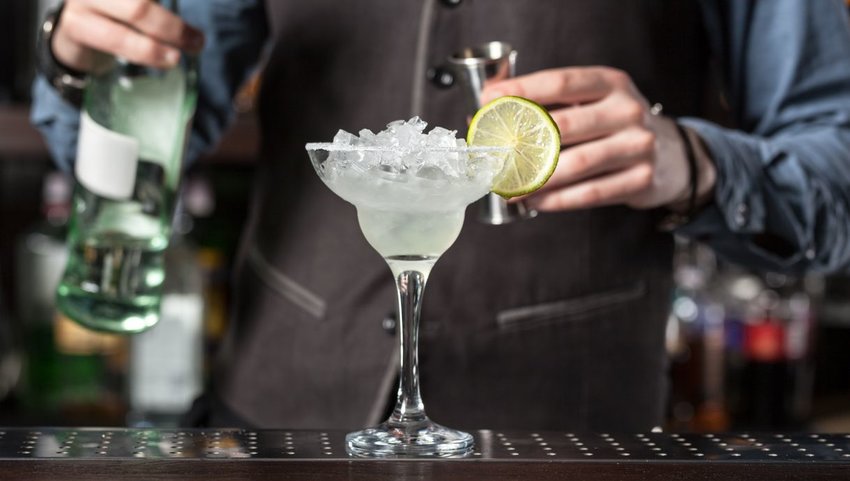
(58, 121)
(738, 159)
(736, 223)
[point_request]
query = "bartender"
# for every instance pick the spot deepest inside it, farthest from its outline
(551, 323)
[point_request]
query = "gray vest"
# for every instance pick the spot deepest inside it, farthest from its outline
(552, 323)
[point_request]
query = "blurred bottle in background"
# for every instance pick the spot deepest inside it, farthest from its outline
(740, 346)
(18, 30)
(72, 376)
(75, 376)
(774, 384)
(167, 362)
(10, 354)
(738, 290)
(213, 238)
(832, 380)
(40, 256)
(696, 344)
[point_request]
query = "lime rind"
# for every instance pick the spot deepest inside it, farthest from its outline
(528, 128)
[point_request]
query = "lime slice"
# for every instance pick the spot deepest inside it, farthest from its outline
(528, 128)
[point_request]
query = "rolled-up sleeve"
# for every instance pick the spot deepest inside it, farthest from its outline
(235, 33)
(783, 187)
(58, 122)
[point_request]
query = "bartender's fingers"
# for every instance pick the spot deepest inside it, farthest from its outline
(85, 28)
(151, 19)
(616, 112)
(561, 86)
(610, 154)
(609, 189)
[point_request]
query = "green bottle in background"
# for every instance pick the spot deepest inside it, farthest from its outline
(132, 139)
(40, 256)
(71, 375)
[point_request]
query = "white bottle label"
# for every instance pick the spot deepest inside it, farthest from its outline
(106, 160)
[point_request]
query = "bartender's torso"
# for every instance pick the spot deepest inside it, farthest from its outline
(555, 322)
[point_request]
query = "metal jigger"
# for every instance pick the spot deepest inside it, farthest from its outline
(473, 68)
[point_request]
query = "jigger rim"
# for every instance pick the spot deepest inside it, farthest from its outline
(486, 53)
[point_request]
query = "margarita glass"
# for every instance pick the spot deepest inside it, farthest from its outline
(410, 205)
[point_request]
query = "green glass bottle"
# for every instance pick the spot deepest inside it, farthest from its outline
(132, 142)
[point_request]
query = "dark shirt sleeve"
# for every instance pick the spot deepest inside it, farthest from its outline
(236, 32)
(782, 198)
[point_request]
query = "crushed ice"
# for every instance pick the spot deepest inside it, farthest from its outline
(402, 148)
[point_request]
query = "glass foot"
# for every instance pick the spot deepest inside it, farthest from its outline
(426, 439)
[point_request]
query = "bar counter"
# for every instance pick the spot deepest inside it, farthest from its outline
(231, 454)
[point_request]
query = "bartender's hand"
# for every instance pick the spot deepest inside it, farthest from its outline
(615, 151)
(138, 30)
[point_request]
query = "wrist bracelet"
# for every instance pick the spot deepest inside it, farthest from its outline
(674, 220)
(692, 167)
(69, 83)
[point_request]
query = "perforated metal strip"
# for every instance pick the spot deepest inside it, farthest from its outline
(84, 443)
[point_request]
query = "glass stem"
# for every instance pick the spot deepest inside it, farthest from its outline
(409, 408)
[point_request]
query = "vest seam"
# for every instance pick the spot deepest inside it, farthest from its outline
(423, 38)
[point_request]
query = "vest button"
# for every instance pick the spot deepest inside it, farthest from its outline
(451, 3)
(742, 215)
(441, 77)
(389, 324)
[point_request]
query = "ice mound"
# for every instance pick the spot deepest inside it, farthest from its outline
(402, 150)
(405, 169)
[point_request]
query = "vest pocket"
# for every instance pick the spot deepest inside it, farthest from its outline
(285, 286)
(539, 315)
